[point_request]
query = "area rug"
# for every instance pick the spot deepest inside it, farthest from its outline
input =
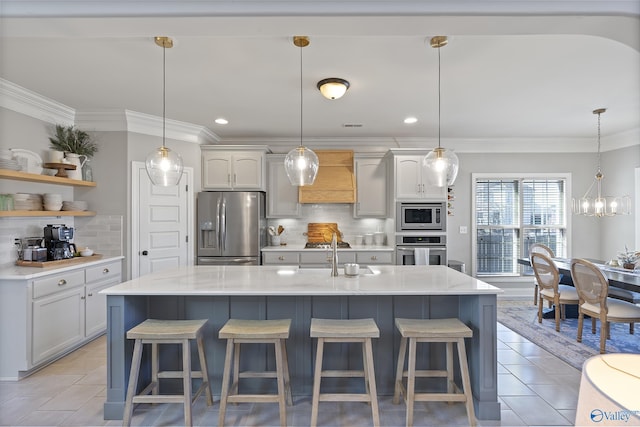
(522, 317)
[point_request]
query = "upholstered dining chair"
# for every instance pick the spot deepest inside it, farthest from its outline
(540, 249)
(548, 279)
(592, 287)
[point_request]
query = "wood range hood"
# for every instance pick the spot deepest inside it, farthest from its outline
(335, 182)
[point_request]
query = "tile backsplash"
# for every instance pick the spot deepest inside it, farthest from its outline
(102, 233)
(340, 213)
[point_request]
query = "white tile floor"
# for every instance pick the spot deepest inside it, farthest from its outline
(534, 387)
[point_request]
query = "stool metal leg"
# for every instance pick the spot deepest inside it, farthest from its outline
(315, 401)
(133, 382)
(225, 382)
(370, 374)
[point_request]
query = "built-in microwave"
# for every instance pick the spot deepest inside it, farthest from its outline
(421, 216)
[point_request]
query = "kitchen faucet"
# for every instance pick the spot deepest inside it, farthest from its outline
(334, 255)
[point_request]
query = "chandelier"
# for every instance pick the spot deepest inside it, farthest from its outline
(596, 204)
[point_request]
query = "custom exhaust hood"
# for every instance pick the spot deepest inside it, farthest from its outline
(335, 182)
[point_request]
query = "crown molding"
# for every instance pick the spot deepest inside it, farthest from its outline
(152, 125)
(29, 103)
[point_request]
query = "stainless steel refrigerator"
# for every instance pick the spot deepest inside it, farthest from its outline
(232, 227)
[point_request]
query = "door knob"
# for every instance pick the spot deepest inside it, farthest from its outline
(145, 253)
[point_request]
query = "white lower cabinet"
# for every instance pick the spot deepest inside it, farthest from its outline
(45, 317)
(374, 257)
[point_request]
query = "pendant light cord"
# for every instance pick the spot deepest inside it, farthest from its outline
(438, 97)
(164, 92)
(301, 108)
(599, 171)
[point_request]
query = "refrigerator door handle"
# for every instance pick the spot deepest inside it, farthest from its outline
(223, 227)
(218, 223)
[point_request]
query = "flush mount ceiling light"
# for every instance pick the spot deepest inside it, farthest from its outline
(333, 87)
(301, 164)
(442, 162)
(164, 166)
(597, 204)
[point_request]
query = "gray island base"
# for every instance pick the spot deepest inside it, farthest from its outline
(218, 293)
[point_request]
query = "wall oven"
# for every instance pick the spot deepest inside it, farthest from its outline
(406, 246)
(421, 216)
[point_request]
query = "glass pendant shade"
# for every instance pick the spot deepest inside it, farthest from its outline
(164, 167)
(301, 165)
(442, 165)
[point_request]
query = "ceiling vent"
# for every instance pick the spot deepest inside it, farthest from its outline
(352, 125)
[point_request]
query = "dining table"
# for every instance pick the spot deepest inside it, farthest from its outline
(619, 278)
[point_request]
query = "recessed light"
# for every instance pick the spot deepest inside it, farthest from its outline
(221, 121)
(410, 120)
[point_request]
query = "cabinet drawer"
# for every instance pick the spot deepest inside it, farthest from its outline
(57, 282)
(374, 257)
(324, 258)
(104, 271)
(284, 258)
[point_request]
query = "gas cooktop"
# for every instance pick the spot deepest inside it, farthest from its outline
(326, 245)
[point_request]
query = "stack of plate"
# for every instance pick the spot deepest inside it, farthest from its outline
(27, 202)
(7, 161)
(77, 205)
(52, 202)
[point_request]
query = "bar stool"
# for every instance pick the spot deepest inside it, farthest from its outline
(236, 332)
(448, 331)
(345, 331)
(156, 332)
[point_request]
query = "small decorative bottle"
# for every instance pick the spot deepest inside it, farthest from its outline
(87, 172)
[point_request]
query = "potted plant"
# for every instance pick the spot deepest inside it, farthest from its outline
(73, 140)
(628, 258)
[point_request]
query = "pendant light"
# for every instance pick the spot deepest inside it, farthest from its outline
(164, 166)
(301, 164)
(441, 162)
(596, 204)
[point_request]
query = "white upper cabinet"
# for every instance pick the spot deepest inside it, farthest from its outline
(282, 197)
(413, 181)
(233, 167)
(371, 179)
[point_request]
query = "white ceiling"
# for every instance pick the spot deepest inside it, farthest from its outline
(514, 80)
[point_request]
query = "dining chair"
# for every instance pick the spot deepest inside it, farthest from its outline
(593, 287)
(548, 279)
(541, 249)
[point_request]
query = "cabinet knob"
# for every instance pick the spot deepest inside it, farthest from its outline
(374, 258)
(82, 297)
(105, 271)
(62, 282)
(281, 258)
(90, 295)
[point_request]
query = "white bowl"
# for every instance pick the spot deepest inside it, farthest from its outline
(86, 252)
(52, 207)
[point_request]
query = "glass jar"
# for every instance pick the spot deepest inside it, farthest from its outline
(87, 171)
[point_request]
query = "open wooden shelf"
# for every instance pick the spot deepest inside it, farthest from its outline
(32, 177)
(4, 214)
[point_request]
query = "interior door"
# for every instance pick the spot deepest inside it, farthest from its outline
(163, 224)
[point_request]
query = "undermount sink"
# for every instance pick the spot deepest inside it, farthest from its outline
(363, 271)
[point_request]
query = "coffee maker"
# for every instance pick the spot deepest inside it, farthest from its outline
(57, 240)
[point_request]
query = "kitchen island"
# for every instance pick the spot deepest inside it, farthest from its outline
(218, 293)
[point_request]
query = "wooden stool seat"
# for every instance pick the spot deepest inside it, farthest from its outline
(240, 331)
(345, 331)
(156, 332)
(448, 331)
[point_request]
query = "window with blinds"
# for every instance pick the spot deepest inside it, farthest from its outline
(513, 213)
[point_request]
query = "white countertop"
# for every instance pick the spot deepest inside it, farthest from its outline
(300, 247)
(294, 281)
(15, 272)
